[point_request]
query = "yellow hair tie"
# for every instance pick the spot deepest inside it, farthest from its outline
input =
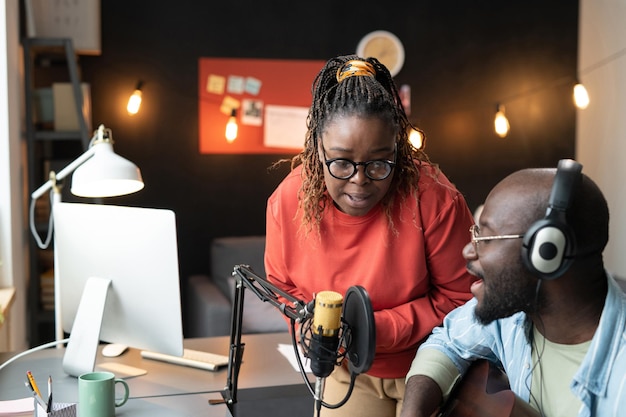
(355, 68)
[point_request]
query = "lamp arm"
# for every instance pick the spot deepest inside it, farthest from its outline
(63, 173)
(55, 196)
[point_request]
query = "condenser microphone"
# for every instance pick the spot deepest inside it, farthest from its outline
(324, 339)
(325, 333)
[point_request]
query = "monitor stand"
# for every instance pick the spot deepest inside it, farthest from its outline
(82, 347)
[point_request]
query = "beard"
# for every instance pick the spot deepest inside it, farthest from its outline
(508, 292)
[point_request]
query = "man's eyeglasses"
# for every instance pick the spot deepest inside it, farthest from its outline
(344, 169)
(475, 232)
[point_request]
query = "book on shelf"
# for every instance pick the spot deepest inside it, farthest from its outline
(46, 289)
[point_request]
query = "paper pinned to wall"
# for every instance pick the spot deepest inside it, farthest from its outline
(253, 86)
(215, 84)
(78, 19)
(285, 126)
(229, 104)
(236, 84)
(252, 112)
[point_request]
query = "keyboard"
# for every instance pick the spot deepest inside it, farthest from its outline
(192, 358)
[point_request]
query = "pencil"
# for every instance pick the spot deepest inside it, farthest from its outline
(49, 407)
(33, 384)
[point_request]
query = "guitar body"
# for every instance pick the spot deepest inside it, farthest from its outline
(484, 392)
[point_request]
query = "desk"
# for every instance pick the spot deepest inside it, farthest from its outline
(166, 390)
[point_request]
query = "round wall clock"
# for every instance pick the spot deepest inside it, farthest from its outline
(386, 47)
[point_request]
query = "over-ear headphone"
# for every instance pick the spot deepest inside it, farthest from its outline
(550, 244)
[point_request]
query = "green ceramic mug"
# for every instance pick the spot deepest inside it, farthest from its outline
(96, 394)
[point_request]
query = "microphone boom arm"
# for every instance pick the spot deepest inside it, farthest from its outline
(297, 311)
(357, 309)
(268, 292)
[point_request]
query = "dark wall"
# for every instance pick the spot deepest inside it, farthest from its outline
(461, 59)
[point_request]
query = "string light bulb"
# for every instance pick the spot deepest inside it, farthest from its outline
(231, 126)
(501, 123)
(134, 102)
(581, 97)
(416, 138)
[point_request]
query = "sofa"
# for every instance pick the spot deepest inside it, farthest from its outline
(208, 299)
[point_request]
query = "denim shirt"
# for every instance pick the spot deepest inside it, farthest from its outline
(600, 382)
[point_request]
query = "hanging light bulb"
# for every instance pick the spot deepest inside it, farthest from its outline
(231, 126)
(134, 102)
(416, 138)
(581, 97)
(501, 123)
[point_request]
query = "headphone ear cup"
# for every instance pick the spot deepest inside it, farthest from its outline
(546, 247)
(549, 244)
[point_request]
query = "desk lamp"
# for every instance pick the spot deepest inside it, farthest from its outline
(99, 172)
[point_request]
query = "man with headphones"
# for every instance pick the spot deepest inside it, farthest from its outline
(544, 310)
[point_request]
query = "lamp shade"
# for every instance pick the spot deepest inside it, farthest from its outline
(106, 174)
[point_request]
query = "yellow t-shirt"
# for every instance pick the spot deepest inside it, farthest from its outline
(555, 366)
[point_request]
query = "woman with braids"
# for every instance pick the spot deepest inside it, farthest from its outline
(362, 206)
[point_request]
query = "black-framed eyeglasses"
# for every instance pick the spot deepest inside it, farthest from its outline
(475, 232)
(344, 169)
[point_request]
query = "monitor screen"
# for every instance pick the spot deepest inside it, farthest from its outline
(134, 252)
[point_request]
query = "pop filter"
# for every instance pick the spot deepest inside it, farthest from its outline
(359, 317)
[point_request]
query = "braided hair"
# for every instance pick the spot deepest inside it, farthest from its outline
(340, 90)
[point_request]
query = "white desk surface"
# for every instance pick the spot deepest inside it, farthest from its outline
(166, 390)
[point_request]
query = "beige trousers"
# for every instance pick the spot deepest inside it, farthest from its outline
(371, 396)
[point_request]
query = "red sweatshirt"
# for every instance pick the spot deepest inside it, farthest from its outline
(413, 277)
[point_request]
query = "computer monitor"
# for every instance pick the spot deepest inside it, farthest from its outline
(117, 272)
